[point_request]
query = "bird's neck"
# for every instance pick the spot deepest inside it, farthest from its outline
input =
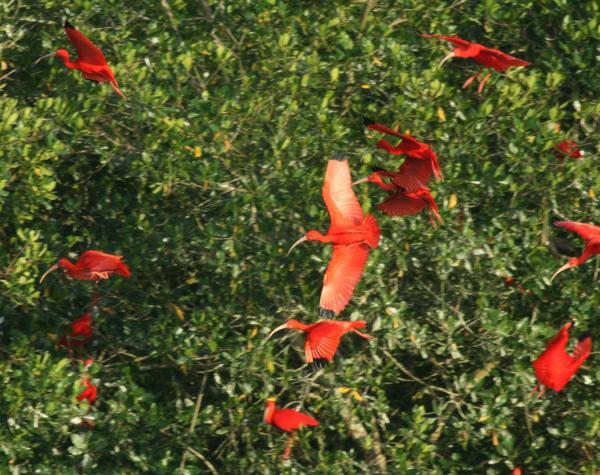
(68, 265)
(269, 411)
(317, 236)
(68, 63)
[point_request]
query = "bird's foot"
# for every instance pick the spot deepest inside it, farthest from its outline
(483, 81)
(470, 80)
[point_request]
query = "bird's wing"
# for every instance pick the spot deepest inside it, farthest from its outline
(343, 273)
(506, 59)
(581, 351)
(322, 341)
(344, 209)
(87, 51)
(289, 420)
(413, 174)
(398, 204)
(453, 39)
(382, 128)
(99, 261)
(586, 231)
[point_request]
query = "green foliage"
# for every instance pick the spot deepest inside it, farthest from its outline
(214, 166)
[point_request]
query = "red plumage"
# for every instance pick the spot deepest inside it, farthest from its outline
(92, 265)
(590, 233)
(286, 419)
(555, 367)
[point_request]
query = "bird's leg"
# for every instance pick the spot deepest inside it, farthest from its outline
(471, 79)
(483, 81)
(288, 448)
(533, 390)
(364, 335)
(542, 391)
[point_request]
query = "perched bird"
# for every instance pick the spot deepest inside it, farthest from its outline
(89, 393)
(287, 420)
(590, 233)
(401, 202)
(568, 149)
(323, 337)
(555, 367)
(488, 57)
(92, 265)
(352, 234)
(81, 331)
(91, 62)
(420, 163)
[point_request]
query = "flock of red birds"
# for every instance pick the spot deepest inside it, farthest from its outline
(351, 233)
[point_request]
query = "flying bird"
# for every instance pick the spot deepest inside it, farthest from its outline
(401, 202)
(90, 61)
(488, 57)
(323, 337)
(555, 367)
(287, 420)
(92, 265)
(568, 149)
(352, 234)
(590, 233)
(420, 163)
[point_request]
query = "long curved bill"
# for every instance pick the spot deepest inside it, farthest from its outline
(44, 57)
(565, 267)
(299, 241)
(446, 58)
(362, 180)
(280, 327)
(52, 269)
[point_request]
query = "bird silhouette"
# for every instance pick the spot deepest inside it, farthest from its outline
(488, 57)
(90, 61)
(352, 234)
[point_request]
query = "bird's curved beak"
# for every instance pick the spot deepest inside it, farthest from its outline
(299, 241)
(44, 57)
(568, 265)
(280, 327)
(52, 269)
(362, 180)
(446, 58)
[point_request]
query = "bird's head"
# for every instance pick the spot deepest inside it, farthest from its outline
(374, 177)
(290, 324)
(62, 54)
(311, 235)
(572, 263)
(270, 407)
(61, 264)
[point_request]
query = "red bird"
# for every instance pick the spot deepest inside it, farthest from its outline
(400, 202)
(352, 234)
(517, 471)
(89, 392)
(568, 149)
(420, 163)
(91, 62)
(555, 367)
(92, 265)
(287, 420)
(81, 331)
(323, 337)
(591, 235)
(488, 57)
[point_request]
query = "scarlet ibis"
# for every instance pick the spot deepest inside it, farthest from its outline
(555, 367)
(90, 392)
(568, 149)
(323, 337)
(352, 234)
(81, 331)
(401, 202)
(590, 233)
(287, 420)
(92, 265)
(91, 62)
(488, 57)
(420, 163)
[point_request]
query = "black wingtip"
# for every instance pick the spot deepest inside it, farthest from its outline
(318, 363)
(367, 121)
(338, 156)
(323, 312)
(68, 25)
